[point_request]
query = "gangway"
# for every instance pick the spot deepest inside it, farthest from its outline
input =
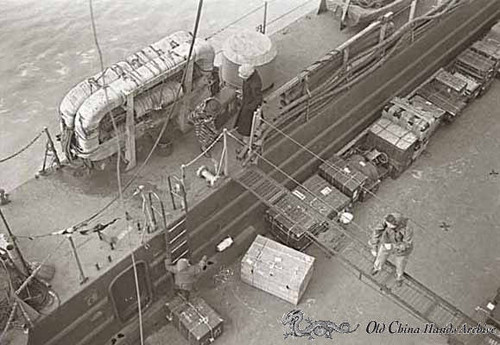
(413, 296)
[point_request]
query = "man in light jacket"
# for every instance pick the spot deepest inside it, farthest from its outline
(392, 236)
(185, 274)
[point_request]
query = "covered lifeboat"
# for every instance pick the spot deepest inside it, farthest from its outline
(153, 75)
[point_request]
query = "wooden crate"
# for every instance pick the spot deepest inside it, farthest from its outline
(423, 104)
(277, 269)
(291, 220)
(397, 142)
(322, 196)
(195, 319)
(338, 173)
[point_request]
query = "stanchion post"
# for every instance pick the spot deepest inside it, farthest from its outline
(183, 186)
(226, 168)
(171, 193)
(152, 212)
(346, 56)
(83, 278)
(14, 243)
(52, 147)
(264, 22)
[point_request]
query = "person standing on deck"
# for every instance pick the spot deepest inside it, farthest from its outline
(392, 236)
(203, 119)
(251, 100)
(185, 274)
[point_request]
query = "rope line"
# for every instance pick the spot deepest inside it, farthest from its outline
(291, 178)
(35, 271)
(205, 151)
(22, 149)
(288, 12)
(235, 21)
(118, 172)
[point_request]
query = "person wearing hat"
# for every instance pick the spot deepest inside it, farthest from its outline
(185, 274)
(392, 236)
(251, 100)
(4, 197)
(203, 119)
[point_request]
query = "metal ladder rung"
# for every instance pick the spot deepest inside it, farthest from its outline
(179, 246)
(182, 233)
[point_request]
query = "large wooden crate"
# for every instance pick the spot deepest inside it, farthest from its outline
(348, 180)
(291, 221)
(195, 319)
(322, 196)
(397, 142)
(277, 269)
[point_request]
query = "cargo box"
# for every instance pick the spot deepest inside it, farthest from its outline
(291, 221)
(322, 196)
(421, 103)
(476, 66)
(488, 48)
(277, 269)
(397, 142)
(338, 173)
(401, 112)
(445, 98)
(195, 319)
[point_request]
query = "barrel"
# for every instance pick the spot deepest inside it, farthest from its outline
(248, 47)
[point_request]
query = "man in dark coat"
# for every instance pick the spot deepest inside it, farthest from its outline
(392, 236)
(251, 100)
(185, 274)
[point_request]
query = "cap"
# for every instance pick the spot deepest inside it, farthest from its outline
(182, 264)
(245, 71)
(394, 219)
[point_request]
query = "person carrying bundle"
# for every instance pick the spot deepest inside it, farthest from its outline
(392, 236)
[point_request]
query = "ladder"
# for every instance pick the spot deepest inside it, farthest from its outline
(177, 243)
(412, 296)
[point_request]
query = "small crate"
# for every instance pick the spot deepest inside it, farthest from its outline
(277, 269)
(322, 196)
(475, 65)
(338, 173)
(291, 222)
(195, 319)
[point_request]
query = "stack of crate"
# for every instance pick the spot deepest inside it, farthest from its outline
(277, 269)
(291, 221)
(322, 196)
(348, 180)
(397, 142)
(195, 319)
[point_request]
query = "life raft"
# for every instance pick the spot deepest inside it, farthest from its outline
(151, 73)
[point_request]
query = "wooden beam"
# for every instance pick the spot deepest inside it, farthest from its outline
(185, 107)
(130, 130)
(345, 9)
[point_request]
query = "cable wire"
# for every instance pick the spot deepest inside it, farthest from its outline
(118, 172)
(291, 178)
